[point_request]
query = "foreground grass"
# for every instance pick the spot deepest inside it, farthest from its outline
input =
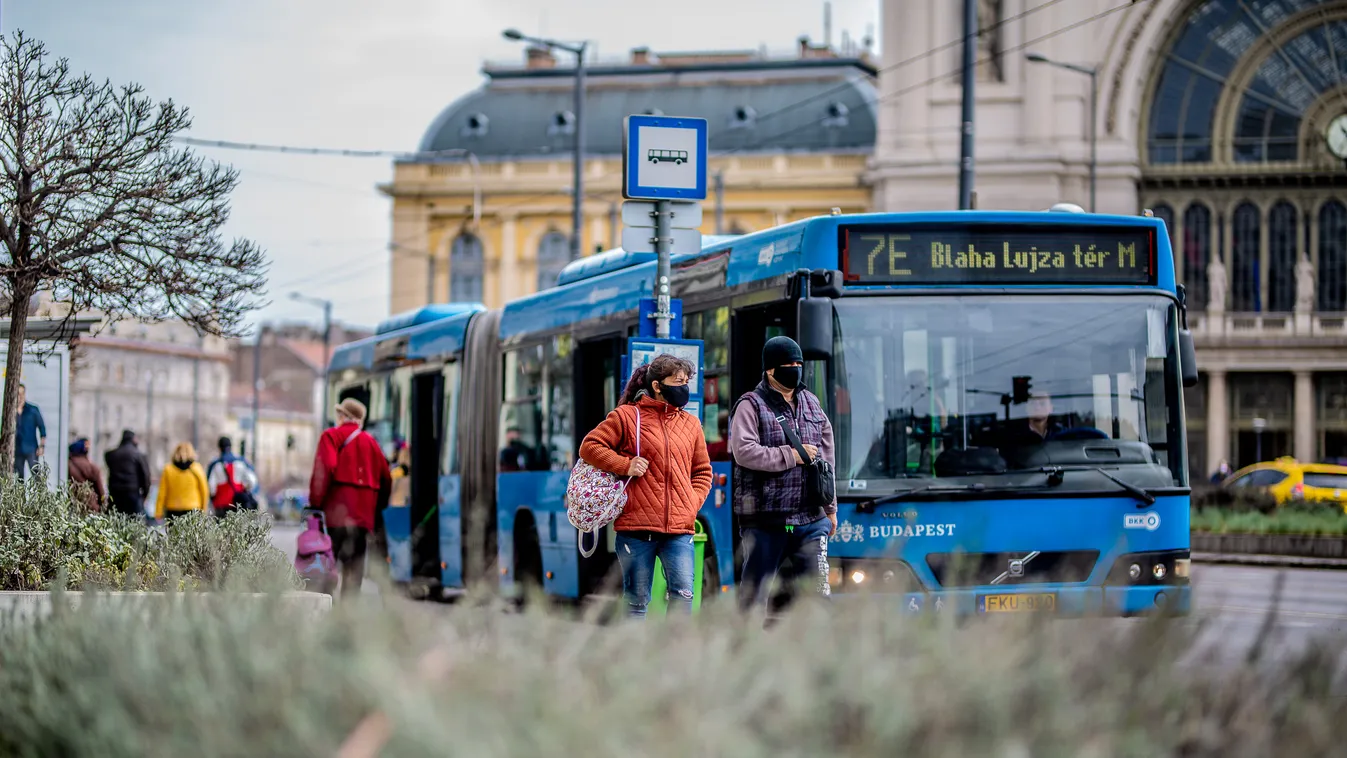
(221, 679)
(1314, 520)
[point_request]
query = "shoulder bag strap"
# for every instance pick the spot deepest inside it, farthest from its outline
(580, 536)
(638, 448)
(794, 439)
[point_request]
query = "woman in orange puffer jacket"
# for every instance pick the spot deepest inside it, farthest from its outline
(670, 478)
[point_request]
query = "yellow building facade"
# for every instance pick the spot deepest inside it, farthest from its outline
(789, 139)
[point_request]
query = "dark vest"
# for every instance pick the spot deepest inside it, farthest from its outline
(767, 498)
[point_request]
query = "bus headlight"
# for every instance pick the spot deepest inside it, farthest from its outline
(1134, 572)
(1159, 571)
(857, 577)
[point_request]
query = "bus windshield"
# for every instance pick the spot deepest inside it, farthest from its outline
(992, 389)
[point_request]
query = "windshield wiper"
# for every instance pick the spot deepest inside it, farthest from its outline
(896, 497)
(870, 505)
(1056, 473)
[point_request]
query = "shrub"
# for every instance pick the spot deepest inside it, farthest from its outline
(48, 538)
(217, 678)
(1311, 519)
(1241, 500)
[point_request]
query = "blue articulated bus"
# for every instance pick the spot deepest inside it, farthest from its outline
(1005, 390)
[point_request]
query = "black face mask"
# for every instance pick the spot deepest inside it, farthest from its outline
(787, 376)
(675, 394)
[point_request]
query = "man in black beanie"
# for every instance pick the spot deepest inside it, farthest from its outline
(783, 535)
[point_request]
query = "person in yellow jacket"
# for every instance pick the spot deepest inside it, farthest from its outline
(182, 487)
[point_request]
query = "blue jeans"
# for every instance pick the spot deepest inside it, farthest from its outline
(637, 551)
(797, 556)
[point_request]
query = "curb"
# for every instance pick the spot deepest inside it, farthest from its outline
(1285, 561)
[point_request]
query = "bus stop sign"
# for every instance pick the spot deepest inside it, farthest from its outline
(664, 158)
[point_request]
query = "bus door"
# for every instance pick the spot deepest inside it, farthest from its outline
(750, 329)
(420, 460)
(597, 388)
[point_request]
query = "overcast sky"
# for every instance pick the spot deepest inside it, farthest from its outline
(359, 74)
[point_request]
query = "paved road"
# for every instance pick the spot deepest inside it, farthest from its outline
(1232, 603)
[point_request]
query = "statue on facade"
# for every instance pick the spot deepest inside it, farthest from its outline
(1217, 282)
(990, 46)
(1304, 284)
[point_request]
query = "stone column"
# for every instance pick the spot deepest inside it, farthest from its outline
(1304, 416)
(1218, 421)
(507, 272)
(904, 107)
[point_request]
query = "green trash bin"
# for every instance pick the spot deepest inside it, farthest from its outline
(659, 589)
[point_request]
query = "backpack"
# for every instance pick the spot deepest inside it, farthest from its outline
(232, 494)
(595, 498)
(314, 560)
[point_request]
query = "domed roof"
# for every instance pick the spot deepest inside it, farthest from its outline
(823, 105)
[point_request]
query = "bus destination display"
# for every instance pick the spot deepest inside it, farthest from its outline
(912, 254)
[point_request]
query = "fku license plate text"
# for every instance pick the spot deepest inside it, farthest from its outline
(1016, 603)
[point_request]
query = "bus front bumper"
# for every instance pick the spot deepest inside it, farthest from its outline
(1067, 602)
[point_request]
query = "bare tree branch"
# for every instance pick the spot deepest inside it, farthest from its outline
(100, 207)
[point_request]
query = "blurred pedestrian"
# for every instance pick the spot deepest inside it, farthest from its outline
(785, 519)
(128, 476)
(350, 481)
(231, 481)
(182, 487)
(1222, 471)
(650, 438)
(30, 441)
(83, 471)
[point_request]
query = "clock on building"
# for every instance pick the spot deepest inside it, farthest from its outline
(1337, 136)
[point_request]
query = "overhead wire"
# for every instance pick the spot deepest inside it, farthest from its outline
(948, 74)
(358, 153)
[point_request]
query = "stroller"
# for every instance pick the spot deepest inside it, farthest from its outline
(314, 560)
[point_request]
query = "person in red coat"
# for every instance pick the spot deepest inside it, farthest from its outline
(350, 481)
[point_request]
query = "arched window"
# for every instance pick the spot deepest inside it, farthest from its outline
(1244, 268)
(1281, 274)
(1333, 257)
(1166, 214)
(554, 252)
(465, 269)
(1196, 252)
(1209, 46)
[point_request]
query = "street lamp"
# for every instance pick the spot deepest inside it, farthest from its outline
(1259, 424)
(1093, 73)
(578, 180)
(326, 305)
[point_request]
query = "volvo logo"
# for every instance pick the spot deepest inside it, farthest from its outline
(1015, 569)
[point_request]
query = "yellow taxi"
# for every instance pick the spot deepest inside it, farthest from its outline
(1286, 479)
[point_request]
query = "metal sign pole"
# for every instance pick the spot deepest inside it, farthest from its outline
(663, 248)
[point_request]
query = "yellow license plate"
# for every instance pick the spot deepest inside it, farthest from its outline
(1016, 603)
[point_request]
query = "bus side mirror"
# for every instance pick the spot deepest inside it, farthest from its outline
(1188, 358)
(816, 328)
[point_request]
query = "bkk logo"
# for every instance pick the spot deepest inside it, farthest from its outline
(1148, 521)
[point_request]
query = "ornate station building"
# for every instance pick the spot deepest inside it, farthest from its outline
(1227, 118)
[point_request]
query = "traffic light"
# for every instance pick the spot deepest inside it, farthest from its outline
(1019, 389)
(289, 442)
